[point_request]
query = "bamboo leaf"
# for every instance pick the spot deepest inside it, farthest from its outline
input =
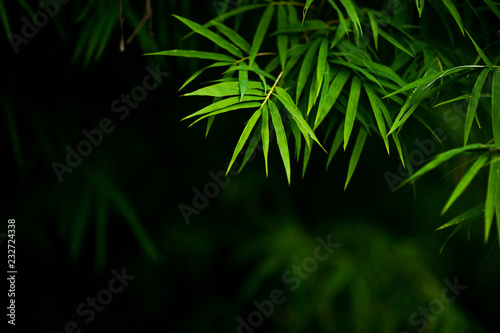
(331, 96)
(306, 68)
(454, 12)
(377, 112)
(322, 60)
(197, 73)
(195, 54)
(495, 105)
(337, 142)
(281, 138)
(356, 153)
(492, 195)
(205, 32)
(374, 26)
(252, 68)
(238, 106)
(465, 181)
(443, 157)
(420, 6)
(287, 101)
(306, 7)
(265, 134)
(282, 39)
(244, 136)
(230, 88)
(394, 42)
(481, 53)
(233, 37)
(222, 104)
(352, 107)
(260, 33)
(493, 7)
(472, 107)
(353, 15)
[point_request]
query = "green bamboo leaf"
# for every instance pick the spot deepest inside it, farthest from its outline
(337, 142)
(481, 53)
(429, 79)
(281, 138)
(459, 98)
(353, 15)
(394, 42)
(306, 7)
(377, 112)
(304, 127)
(443, 157)
(218, 40)
(195, 54)
(352, 107)
(322, 60)
(265, 133)
(492, 195)
(209, 124)
(395, 137)
(252, 68)
(472, 107)
(374, 26)
(222, 104)
(296, 135)
(465, 181)
(233, 36)
(343, 23)
(242, 80)
(282, 39)
(420, 6)
(230, 88)
(254, 142)
(454, 12)
(493, 7)
(495, 105)
(239, 106)
(463, 220)
(331, 96)
(307, 155)
(299, 27)
(358, 69)
(197, 73)
(244, 136)
(356, 153)
(470, 214)
(306, 68)
(313, 95)
(260, 33)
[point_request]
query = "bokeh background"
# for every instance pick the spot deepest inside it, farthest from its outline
(119, 208)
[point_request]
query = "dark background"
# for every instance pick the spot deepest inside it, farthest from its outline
(200, 277)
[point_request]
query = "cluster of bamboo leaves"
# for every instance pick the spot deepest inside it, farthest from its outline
(324, 73)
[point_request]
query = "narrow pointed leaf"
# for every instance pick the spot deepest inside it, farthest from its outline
(337, 142)
(282, 39)
(394, 42)
(495, 105)
(238, 106)
(197, 73)
(244, 136)
(304, 127)
(356, 153)
(306, 7)
(454, 12)
(260, 33)
(474, 100)
(320, 69)
(195, 54)
(306, 68)
(465, 181)
(254, 142)
(481, 53)
(463, 220)
(492, 195)
(334, 91)
(222, 104)
(217, 39)
(420, 6)
(353, 15)
(377, 112)
(243, 81)
(352, 107)
(281, 138)
(265, 133)
(233, 37)
(374, 26)
(228, 89)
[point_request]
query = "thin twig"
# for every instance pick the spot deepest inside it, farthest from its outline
(148, 15)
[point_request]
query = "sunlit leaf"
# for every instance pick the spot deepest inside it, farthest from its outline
(281, 138)
(352, 107)
(356, 153)
(195, 54)
(260, 33)
(471, 109)
(492, 195)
